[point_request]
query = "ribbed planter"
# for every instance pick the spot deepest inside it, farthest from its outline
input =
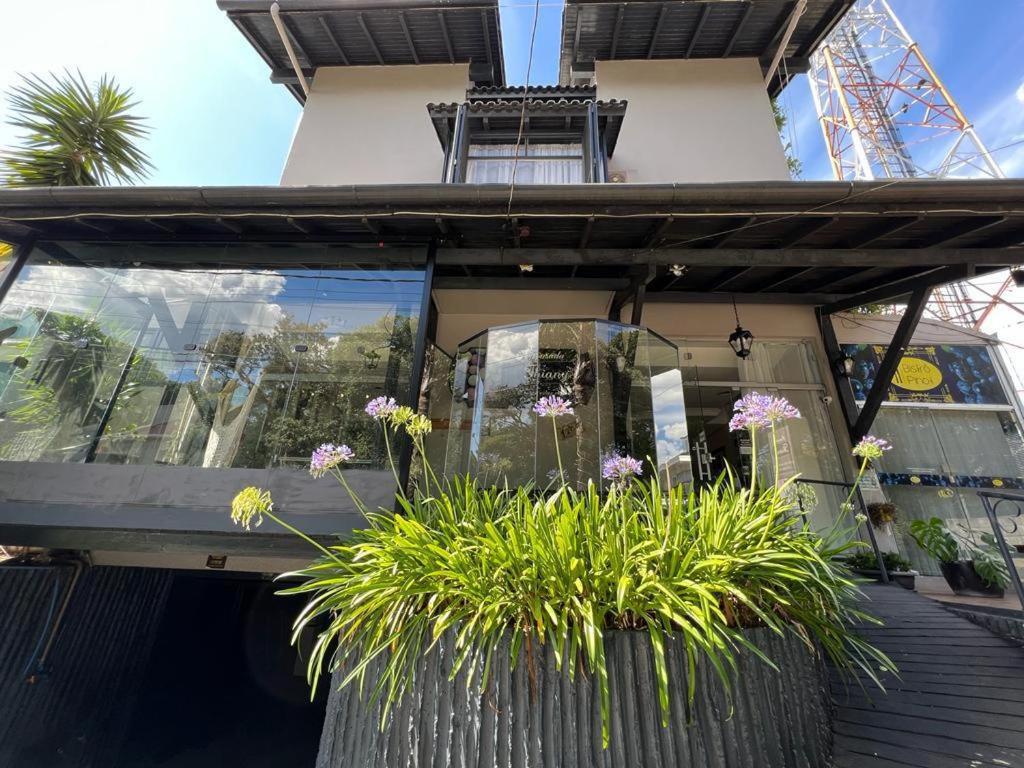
(778, 719)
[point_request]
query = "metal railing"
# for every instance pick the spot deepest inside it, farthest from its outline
(883, 571)
(992, 501)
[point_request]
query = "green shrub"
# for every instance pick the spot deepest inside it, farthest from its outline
(866, 561)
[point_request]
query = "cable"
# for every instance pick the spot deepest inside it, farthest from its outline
(522, 113)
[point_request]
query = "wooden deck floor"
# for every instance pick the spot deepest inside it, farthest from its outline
(960, 701)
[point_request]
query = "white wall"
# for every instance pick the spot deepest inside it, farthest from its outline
(693, 121)
(369, 125)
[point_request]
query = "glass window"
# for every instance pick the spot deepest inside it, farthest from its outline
(135, 360)
(536, 164)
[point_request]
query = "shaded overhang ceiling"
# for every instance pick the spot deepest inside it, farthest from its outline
(497, 121)
(787, 242)
(340, 33)
(599, 30)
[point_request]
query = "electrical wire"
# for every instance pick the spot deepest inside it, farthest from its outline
(522, 113)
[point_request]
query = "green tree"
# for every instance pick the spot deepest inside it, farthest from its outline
(795, 166)
(74, 134)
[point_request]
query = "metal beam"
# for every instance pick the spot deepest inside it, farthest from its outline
(446, 36)
(710, 297)
(880, 229)
(530, 283)
(705, 11)
(487, 39)
(893, 355)
(962, 229)
(793, 275)
(742, 257)
(618, 28)
(805, 230)
(333, 38)
(898, 288)
(369, 38)
(408, 37)
(731, 277)
(18, 259)
(737, 30)
(657, 30)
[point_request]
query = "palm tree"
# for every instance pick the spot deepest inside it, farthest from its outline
(74, 134)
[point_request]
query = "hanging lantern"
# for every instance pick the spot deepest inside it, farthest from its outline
(741, 340)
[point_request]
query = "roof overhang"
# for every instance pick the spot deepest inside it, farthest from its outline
(785, 242)
(341, 33)
(549, 120)
(598, 30)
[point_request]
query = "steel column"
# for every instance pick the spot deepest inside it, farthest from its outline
(424, 325)
(893, 355)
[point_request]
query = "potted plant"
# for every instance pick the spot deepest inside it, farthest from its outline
(968, 567)
(513, 625)
(881, 513)
(866, 564)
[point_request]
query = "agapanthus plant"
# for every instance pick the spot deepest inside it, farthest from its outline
(621, 470)
(552, 407)
(755, 411)
(503, 569)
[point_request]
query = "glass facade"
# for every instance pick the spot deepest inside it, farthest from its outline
(243, 356)
(623, 383)
(940, 458)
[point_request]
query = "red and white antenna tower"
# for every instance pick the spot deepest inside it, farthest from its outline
(886, 115)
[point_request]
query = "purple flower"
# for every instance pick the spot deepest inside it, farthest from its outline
(381, 407)
(871, 448)
(553, 406)
(327, 457)
(755, 411)
(621, 469)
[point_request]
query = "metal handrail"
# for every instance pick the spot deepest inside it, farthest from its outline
(863, 507)
(992, 512)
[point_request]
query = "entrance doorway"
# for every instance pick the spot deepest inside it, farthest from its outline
(714, 379)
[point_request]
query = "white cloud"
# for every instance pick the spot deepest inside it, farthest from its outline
(1020, 92)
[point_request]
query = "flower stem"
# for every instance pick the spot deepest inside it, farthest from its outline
(360, 505)
(753, 458)
(301, 535)
(775, 454)
(391, 459)
(856, 481)
(558, 451)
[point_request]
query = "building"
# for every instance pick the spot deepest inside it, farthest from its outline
(163, 348)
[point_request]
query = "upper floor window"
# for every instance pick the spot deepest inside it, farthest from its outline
(558, 136)
(530, 163)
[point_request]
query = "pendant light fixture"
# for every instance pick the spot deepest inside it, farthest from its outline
(741, 340)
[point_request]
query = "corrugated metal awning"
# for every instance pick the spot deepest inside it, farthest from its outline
(333, 33)
(598, 30)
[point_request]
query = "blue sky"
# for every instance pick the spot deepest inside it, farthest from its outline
(216, 119)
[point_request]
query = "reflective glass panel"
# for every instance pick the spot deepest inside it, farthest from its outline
(246, 357)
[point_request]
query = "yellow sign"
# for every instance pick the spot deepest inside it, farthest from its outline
(917, 375)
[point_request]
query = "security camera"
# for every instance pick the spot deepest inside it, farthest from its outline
(827, 399)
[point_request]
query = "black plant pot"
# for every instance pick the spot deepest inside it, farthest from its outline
(963, 579)
(774, 719)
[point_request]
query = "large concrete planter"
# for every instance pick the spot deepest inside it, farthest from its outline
(779, 719)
